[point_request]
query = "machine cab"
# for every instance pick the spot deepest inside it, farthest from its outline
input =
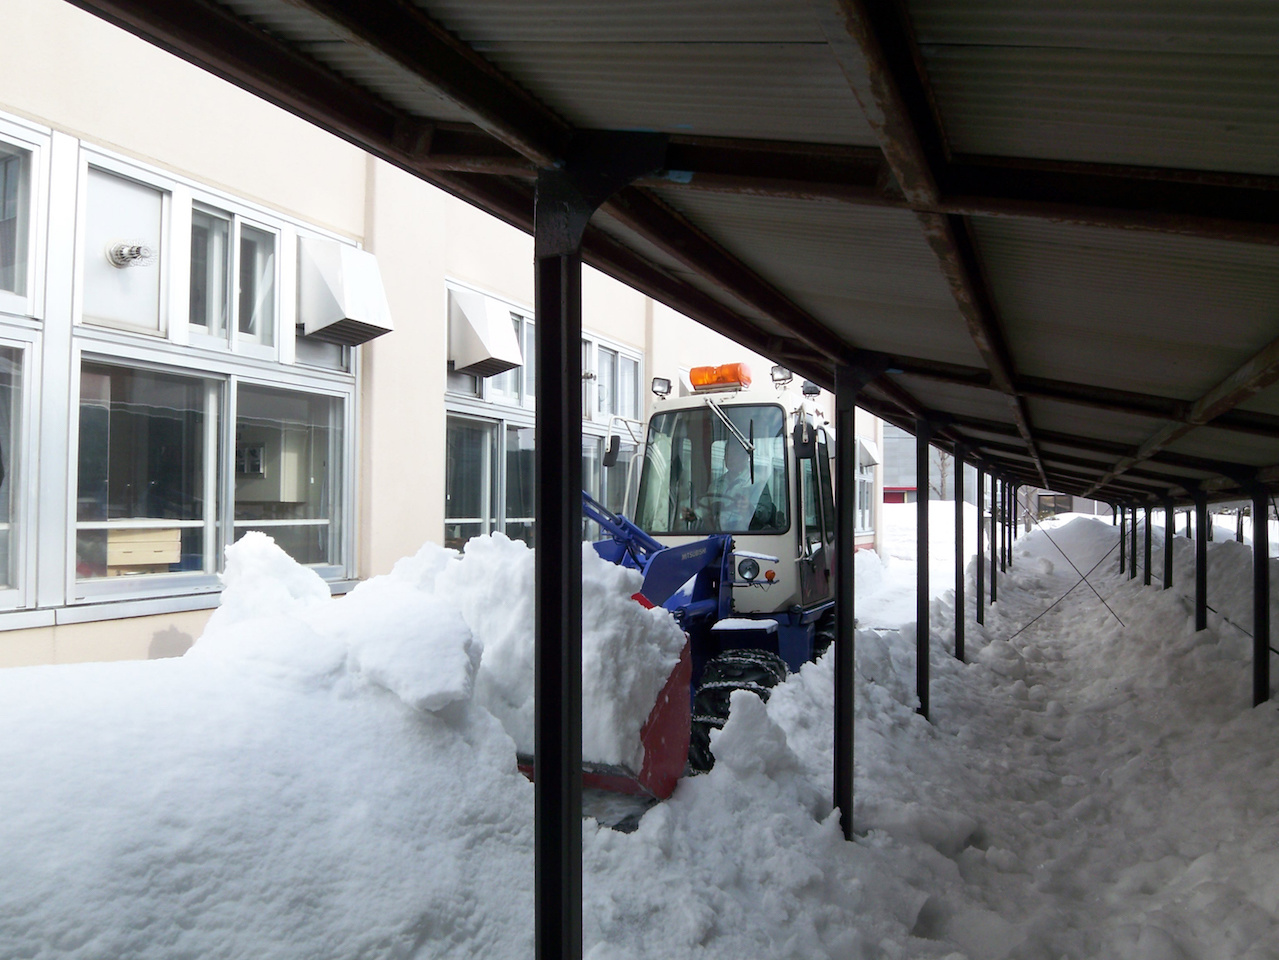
(751, 463)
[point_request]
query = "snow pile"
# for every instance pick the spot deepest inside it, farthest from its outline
(297, 785)
(628, 651)
(320, 778)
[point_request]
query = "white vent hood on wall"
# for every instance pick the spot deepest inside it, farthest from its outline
(340, 294)
(867, 452)
(482, 339)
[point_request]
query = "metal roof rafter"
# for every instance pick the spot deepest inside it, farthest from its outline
(1259, 372)
(879, 58)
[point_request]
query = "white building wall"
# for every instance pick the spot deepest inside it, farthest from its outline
(86, 80)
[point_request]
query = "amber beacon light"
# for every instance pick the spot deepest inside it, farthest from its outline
(727, 376)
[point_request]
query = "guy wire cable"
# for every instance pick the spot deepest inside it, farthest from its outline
(1083, 578)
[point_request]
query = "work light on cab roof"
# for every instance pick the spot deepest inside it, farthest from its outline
(726, 377)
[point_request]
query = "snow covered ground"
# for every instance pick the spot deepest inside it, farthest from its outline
(322, 779)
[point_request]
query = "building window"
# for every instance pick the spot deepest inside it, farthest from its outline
(123, 252)
(233, 278)
(520, 464)
(146, 486)
(288, 475)
(516, 385)
(865, 497)
(15, 203)
(10, 437)
(470, 480)
(613, 375)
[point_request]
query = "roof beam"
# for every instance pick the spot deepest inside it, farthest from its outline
(403, 33)
(873, 44)
(1259, 372)
(1237, 207)
(1102, 448)
(1084, 395)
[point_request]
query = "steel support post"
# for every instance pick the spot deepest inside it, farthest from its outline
(994, 541)
(922, 627)
(1012, 523)
(960, 612)
(565, 198)
(1201, 561)
(1260, 596)
(848, 383)
(979, 601)
(1170, 524)
(1003, 526)
(1123, 539)
(1145, 577)
(1132, 552)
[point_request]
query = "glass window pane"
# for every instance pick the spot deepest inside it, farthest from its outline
(628, 388)
(588, 372)
(15, 187)
(607, 381)
(257, 285)
(507, 384)
(520, 463)
(469, 480)
(210, 270)
(697, 476)
(288, 471)
(145, 490)
(10, 420)
(320, 353)
(592, 451)
(122, 251)
(615, 478)
(530, 361)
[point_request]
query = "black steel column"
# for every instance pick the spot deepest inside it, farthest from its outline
(1146, 574)
(1123, 539)
(960, 612)
(848, 383)
(922, 627)
(1132, 553)
(1012, 522)
(980, 599)
(994, 541)
(1170, 523)
(1201, 561)
(598, 165)
(1260, 597)
(1003, 526)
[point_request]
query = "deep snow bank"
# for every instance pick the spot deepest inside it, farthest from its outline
(317, 778)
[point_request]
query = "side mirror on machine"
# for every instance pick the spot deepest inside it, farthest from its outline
(611, 452)
(805, 441)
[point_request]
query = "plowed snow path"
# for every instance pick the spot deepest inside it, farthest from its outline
(1133, 817)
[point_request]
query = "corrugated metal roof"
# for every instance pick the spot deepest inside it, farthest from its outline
(675, 21)
(770, 91)
(961, 401)
(1159, 314)
(1213, 111)
(1089, 422)
(1223, 445)
(1168, 26)
(313, 35)
(864, 271)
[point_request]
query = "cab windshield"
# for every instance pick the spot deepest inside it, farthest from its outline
(698, 477)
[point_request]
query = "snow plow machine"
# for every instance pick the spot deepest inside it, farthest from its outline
(733, 532)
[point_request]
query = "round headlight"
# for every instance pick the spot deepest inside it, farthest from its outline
(748, 569)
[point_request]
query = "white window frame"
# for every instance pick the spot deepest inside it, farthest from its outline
(36, 141)
(592, 345)
(22, 467)
(168, 307)
(504, 411)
